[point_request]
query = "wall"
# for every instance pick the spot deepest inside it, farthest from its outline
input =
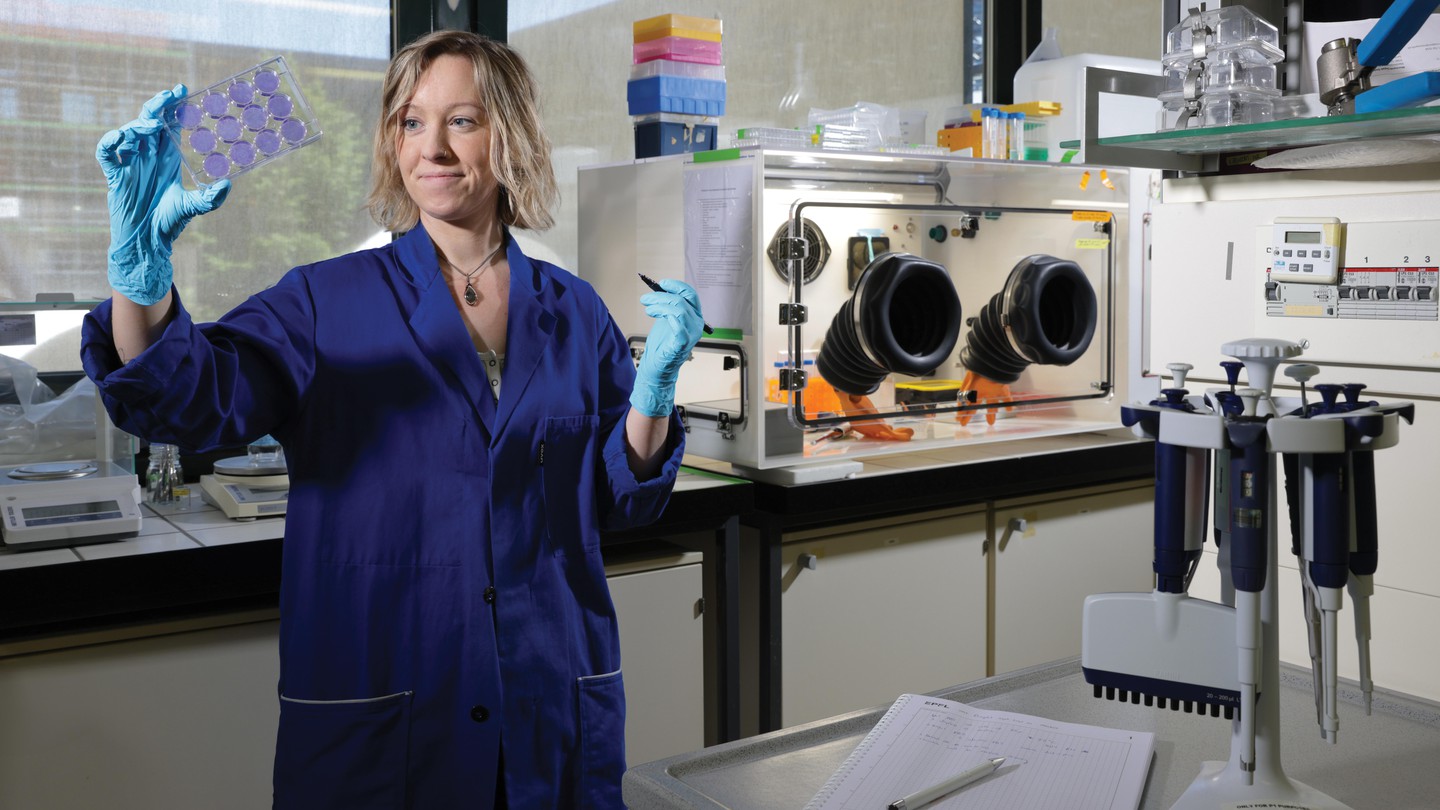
(1123, 28)
(781, 57)
(1208, 274)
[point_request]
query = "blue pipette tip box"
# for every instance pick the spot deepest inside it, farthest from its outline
(242, 122)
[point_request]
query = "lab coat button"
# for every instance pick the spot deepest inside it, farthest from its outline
(490, 594)
(479, 714)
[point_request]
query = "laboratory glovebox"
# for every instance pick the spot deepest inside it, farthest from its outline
(870, 303)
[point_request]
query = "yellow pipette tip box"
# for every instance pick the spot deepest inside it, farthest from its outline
(677, 25)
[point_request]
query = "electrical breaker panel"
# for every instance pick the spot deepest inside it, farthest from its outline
(1389, 271)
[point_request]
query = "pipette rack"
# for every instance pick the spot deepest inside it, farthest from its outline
(1291, 426)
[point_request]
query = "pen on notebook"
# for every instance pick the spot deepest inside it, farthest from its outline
(654, 285)
(920, 798)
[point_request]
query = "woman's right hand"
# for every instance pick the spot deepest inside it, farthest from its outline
(148, 206)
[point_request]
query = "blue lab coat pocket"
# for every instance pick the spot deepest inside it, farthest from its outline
(602, 740)
(338, 754)
(569, 468)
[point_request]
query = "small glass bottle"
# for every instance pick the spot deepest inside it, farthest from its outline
(164, 476)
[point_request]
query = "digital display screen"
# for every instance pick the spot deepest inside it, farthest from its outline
(1303, 237)
(34, 513)
(17, 330)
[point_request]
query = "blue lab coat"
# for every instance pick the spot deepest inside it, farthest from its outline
(442, 587)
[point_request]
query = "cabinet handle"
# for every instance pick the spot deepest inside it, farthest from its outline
(1014, 525)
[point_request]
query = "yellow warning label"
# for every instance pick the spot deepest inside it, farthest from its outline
(1097, 243)
(1304, 311)
(1090, 216)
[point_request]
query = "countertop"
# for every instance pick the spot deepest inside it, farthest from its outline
(1387, 760)
(190, 560)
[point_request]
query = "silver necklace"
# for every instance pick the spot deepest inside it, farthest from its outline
(472, 298)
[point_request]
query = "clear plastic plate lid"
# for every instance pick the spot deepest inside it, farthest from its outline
(1232, 29)
(242, 122)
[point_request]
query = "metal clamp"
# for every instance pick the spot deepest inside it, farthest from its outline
(792, 248)
(792, 379)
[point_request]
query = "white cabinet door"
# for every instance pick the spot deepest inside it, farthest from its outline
(1057, 553)
(662, 652)
(887, 609)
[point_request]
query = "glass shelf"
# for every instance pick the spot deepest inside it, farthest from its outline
(880, 166)
(1282, 134)
(42, 306)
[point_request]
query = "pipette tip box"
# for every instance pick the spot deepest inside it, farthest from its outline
(673, 133)
(242, 122)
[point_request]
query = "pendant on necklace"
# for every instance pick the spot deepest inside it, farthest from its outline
(472, 298)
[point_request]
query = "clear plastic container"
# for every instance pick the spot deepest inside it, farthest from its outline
(912, 149)
(242, 122)
(1221, 76)
(1230, 75)
(839, 136)
(776, 137)
(265, 452)
(881, 123)
(1226, 109)
(667, 67)
(1232, 29)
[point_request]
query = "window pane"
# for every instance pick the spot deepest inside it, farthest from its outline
(70, 72)
(781, 58)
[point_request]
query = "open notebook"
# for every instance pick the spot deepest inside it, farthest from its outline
(922, 741)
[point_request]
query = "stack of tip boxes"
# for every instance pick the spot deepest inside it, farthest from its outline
(677, 85)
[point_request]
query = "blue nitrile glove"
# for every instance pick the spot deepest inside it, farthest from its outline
(148, 206)
(676, 331)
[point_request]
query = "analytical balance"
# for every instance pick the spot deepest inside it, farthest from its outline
(67, 503)
(245, 488)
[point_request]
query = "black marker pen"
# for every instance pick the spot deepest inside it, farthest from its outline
(652, 284)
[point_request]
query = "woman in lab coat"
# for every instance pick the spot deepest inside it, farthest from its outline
(460, 422)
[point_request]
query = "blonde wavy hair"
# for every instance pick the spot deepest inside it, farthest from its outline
(519, 147)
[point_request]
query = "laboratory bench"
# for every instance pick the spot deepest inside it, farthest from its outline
(1383, 760)
(890, 490)
(191, 568)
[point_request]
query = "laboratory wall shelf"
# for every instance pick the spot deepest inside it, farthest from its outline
(36, 306)
(1287, 133)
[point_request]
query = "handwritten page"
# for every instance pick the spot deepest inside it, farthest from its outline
(921, 741)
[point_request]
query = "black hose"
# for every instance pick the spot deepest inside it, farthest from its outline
(904, 316)
(1046, 314)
